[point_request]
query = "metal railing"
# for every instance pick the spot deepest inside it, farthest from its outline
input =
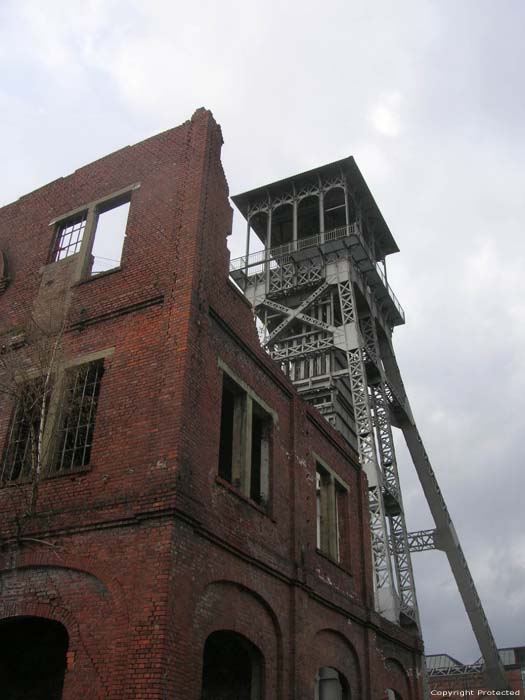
(263, 256)
(456, 670)
(280, 254)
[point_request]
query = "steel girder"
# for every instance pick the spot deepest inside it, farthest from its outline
(384, 587)
(398, 532)
(422, 540)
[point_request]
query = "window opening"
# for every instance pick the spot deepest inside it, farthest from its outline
(331, 515)
(69, 237)
(67, 435)
(232, 668)
(229, 407)
(308, 223)
(334, 209)
(282, 225)
(244, 451)
(32, 658)
(110, 233)
(75, 436)
(330, 685)
(21, 450)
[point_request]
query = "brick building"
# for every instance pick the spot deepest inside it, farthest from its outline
(198, 531)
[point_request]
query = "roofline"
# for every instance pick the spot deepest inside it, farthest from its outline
(356, 178)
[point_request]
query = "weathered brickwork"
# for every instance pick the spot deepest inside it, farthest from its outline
(145, 552)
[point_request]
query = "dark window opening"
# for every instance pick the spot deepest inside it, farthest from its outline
(69, 237)
(21, 453)
(65, 439)
(75, 436)
(334, 209)
(308, 217)
(282, 225)
(259, 226)
(244, 450)
(227, 419)
(232, 668)
(260, 457)
(32, 658)
(110, 233)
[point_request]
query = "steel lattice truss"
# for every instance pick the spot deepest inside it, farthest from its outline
(399, 546)
(366, 443)
(459, 670)
(422, 540)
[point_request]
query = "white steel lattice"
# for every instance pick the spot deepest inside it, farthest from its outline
(298, 313)
(366, 444)
(288, 351)
(398, 530)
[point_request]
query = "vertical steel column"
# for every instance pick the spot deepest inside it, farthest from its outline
(385, 441)
(247, 249)
(268, 246)
(386, 599)
(398, 531)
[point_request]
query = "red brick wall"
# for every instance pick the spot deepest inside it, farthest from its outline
(146, 553)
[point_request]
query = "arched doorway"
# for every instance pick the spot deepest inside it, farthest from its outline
(330, 685)
(232, 668)
(32, 658)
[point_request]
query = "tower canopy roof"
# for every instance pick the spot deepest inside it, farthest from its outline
(323, 174)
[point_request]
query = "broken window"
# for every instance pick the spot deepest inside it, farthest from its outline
(69, 237)
(20, 456)
(68, 411)
(244, 451)
(75, 434)
(331, 515)
(97, 234)
(110, 231)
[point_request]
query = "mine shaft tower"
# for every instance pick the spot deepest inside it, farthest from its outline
(326, 313)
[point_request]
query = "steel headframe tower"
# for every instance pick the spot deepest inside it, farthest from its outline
(326, 314)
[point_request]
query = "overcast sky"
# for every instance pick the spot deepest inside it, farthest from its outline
(429, 98)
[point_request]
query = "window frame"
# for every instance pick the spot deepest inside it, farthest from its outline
(92, 210)
(241, 463)
(329, 496)
(54, 417)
